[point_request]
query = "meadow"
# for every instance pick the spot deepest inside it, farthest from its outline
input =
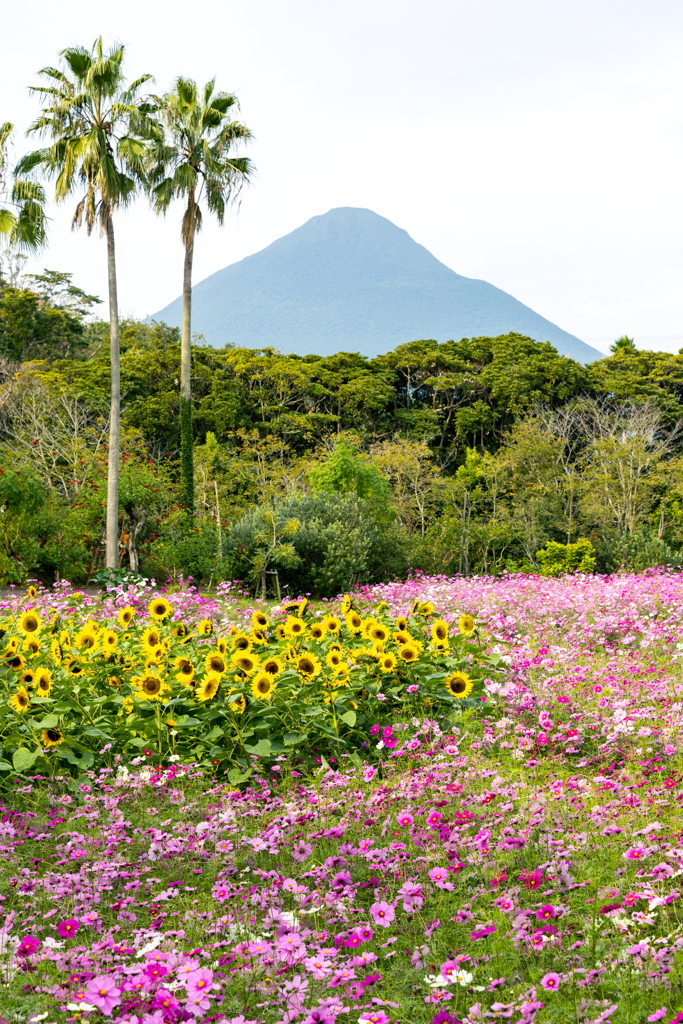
(486, 829)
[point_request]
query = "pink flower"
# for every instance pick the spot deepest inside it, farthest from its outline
(374, 730)
(434, 819)
(440, 878)
(413, 688)
(382, 913)
(658, 1014)
(542, 739)
(531, 879)
(198, 983)
(68, 928)
(374, 1017)
(550, 982)
(405, 818)
(635, 853)
(369, 773)
(29, 944)
(103, 993)
(545, 912)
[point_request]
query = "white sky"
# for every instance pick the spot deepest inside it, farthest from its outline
(535, 143)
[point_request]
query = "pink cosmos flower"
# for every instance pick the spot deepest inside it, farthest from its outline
(374, 1017)
(413, 688)
(382, 913)
(103, 993)
(405, 818)
(374, 730)
(68, 928)
(550, 982)
(483, 932)
(434, 819)
(531, 879)
(542, 739)
(369, 773)
(29, 944)
(635, 853)
(198, 983)
(658, 1014)
(440, 878)
(545, 912)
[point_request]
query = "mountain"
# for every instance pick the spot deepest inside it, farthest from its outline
(351, 281)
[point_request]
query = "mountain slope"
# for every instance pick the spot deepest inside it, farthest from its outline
(352, 281)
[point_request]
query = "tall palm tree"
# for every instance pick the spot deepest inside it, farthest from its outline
(97, 129)
(22, 203)
(195, 161)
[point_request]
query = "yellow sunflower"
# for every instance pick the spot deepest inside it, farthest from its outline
(56, 652)
(317, 631)
(294, 627)
(280, 631)
(159, 609)
(150, 687)
(333, 659)
(414, 606)
(241, 642)
(52, 737)
(74, 668)
(179, 630)
(272, 667)
(184, 670)
(205, 627)
(222, 645)
(125, 615)
(378, 633)
(403, 637)
(260, 620)
(215, 663)
(387, 662)
(245, 662)
(401, 623)
(108, 640)
(31, 645)
(354, 622)
(331, 623)
(208, 687)
(150, 639)
(85, 640)
(263, 686)
(459, 684)
(20, 700)
(439, 631)
(408, 653)
(114, 682)
(308, 666)
(43, 682)
(31, 593)
(29, 622)
(238, 706)
(27, 678)
(466, 625)
(15, 661)
(425, 608)
(346, 603)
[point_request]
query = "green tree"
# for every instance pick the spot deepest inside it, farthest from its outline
(194, 161)
(96, 126)
(22, 203)
(345, 472)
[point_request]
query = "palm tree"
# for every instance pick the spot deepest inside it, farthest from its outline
(22, 220)
(194, 161)
(97, 128)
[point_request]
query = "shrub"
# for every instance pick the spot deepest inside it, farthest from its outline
(559, 559)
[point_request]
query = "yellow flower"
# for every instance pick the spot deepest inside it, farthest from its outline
(128, 705)
(272, 667)
(295, 607)
(27, 678)
(205, 627)
(439, 631)
(318, 630)
(125, 615)
(179, 630)
(466, 624)
(425, 608)
(31, 593)
(459, 684)
(308, 666)
(263, 686)
(260, 620)
(378, 632)
(43, 682)
(20, 700)
(215, 663)
(109, 639)
(31, 645)
(280, 631)
(354, 622)
(29, 622)
(85, 640)
(241, 642)
(222, 644)
(294, 627)
(150, 687)
(414, 606)
(403, 637)
(114, 682)
(333, 659)
(12, 645)
(246, 663)
(159, 609)
(74, 668)
(56, 652)
(346, 603)
(238, 706)
(184, 670)
(150, 639)
(408, 653)
(387, 662)
(331, 623)
(15, 661)
(52, 737)
(401, 623)
(208, 687)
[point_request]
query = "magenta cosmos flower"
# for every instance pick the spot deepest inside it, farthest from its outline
(68, 928)
(198, 983)
(103, 993)
(382, 913)
(550, 982)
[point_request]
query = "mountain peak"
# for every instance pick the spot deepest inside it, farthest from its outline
(351, 280)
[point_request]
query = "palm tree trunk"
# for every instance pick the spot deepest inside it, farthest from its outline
(186, 440)
(112, 529)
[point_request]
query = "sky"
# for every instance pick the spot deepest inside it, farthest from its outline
(537, 144)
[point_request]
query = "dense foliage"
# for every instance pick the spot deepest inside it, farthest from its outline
(520, 865)
(318, 473)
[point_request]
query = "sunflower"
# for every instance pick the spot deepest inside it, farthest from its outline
(125, 615)
(150, 687)
(272, 667)
(387, 662)
(333, 659)
(425, 608)
(150, 639)
(27, 678)
(184, 670)
(85, 640)
(280, 631)
(29, 622)
(414, 606)
(466, 625)
(74, 667)
(294, 627)
(205, 627)
(52, 737)
(260, 620)
(246, 663)
(222, 645)
(31, 645)
(295, 607)
(459, 684)
(401, 623)
(208, 687)
(403, 637)
(439, 631)
(408, 653)
(31, 593)
(12, 645)
(378, 633)
(20, 700)
(43, 682)
(56, 652)
(238, 706)
(15, 661)
(332, 623)
(308, 667)
(109, 640)
(263, 686)
(353, 622)
(159, 609)
(241, 642)
(215, 663)
(346, 603)
(318, 630)
(179, 630)
(114, 682)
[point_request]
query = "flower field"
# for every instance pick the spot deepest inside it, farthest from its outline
(491, 829)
